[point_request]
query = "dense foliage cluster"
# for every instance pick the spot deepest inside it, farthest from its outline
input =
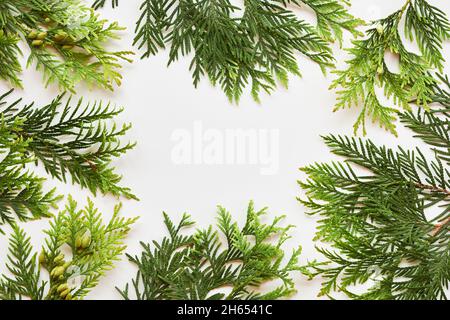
(386, 212)
(69, 141)
(66, 41)
(254, 44)
(424, 24)
(204, 265)
(78, 250)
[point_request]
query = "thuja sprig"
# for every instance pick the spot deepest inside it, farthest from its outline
(78, 250)
(71, 142)
(386, 212)
(21, 192)
(66, 40)
(9, 54)
(433, 127)
(258, 49)
(428, 27)
(199, 266)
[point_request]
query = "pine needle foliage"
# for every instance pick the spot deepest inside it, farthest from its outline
(199, 266)
(386, 213)
(66, 41)
(424, 24)
(78, 251)
(258, 48)
(71, 141)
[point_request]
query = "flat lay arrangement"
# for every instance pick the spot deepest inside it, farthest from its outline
(119, 153)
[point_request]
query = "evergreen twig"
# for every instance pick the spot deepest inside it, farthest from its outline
(257, 49)
(200, 266)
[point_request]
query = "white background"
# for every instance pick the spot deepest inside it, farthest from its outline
(160, 100)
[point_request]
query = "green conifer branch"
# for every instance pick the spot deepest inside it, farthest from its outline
(332, 19)
(197, 266)
(66, 40)
(255, 50)
(425, 24)
(386, 213)
(56, 275)
(72, 142)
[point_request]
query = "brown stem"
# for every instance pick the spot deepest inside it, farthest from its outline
(439, 226)
(432, 188)
(92, 165)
